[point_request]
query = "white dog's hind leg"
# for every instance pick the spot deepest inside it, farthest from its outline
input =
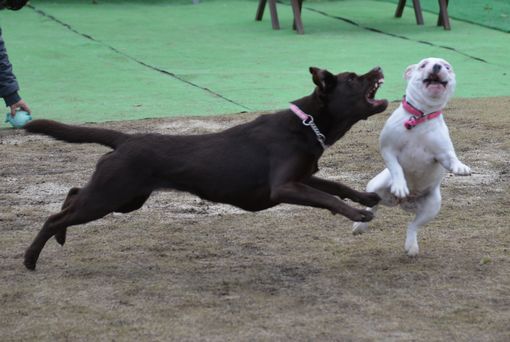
(379, 184)
(427, 209)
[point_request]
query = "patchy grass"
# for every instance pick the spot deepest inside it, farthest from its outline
(185, 269)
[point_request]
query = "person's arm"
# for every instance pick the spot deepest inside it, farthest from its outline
(8, 84)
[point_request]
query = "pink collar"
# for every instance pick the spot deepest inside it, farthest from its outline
(296, 110)
(308, 121)
(418, 116)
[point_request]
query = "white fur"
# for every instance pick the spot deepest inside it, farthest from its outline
(417, 159)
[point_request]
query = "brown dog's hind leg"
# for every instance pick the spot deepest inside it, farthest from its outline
(60, 236)
(57, 224)
(135, 204)
(53, 224)
(82, 206)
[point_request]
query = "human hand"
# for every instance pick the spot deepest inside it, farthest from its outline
(19, 105)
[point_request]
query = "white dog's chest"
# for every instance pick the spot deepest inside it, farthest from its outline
(417, 158)
(421, 169)
(417, 150)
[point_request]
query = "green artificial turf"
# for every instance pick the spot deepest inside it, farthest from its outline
(78, 61)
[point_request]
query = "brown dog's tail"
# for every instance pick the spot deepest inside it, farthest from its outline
(77, 134)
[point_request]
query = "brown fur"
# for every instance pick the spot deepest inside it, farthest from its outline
(253, 166)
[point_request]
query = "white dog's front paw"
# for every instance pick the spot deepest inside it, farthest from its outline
(359, 228)
(411, 247)
(460, 169)
(399, 189)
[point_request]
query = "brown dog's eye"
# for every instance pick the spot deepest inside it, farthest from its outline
(351, 77)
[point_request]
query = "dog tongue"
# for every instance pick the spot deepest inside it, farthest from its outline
(436, 88)
(435, 84)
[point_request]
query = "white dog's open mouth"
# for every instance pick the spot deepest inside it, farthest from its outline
(434, 79)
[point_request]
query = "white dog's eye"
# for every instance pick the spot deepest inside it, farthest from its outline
(423, 65)
(447, 67)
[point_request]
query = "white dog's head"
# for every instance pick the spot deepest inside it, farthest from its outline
(431, 82)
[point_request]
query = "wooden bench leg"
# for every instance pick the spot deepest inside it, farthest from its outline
(300, 7)
(296, 8)
(274, 15)
(417, 12)
(400, 8)
(443, 19)
(260, 10)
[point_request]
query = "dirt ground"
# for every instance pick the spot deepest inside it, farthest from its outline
(188, 270)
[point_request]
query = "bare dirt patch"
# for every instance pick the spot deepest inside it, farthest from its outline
(185, 269)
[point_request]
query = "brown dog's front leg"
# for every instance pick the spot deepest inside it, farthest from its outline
(302, 194)
(369, 199)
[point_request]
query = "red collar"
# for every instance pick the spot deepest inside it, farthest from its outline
(418, 116)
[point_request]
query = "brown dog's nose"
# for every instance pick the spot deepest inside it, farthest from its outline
(436, 68)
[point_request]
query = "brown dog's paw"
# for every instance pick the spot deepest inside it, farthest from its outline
(29, 264)
(362, 216)
(30, 260)
(370, 199)
(61, 237)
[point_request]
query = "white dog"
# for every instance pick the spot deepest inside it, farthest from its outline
(416, 148)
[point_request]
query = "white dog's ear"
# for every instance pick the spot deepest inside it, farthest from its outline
(409, 71)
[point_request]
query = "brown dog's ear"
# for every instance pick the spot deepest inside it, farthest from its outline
(323, 78)
(409, 71)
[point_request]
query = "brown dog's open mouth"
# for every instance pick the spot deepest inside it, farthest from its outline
(378, 80)
(434, 79)
(373, 90)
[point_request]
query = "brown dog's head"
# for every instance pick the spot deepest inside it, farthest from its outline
(348, 95)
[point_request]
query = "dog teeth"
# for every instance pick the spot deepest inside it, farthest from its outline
(375, 87)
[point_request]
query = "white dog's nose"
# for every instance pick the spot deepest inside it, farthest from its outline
(436, 68)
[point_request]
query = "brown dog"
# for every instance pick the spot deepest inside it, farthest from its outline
(253, 166)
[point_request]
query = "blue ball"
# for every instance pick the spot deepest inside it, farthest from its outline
(19, 119)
